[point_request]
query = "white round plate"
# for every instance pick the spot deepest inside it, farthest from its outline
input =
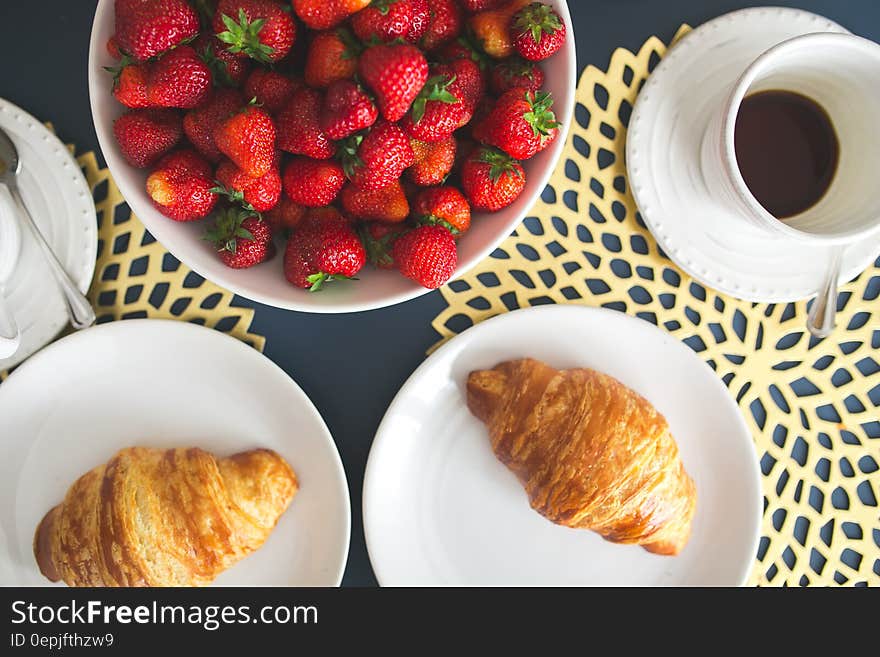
(169, 384)
(701, 235)
(60, 201)
(265, 283)
(440, 509)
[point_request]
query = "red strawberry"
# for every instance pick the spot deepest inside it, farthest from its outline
(383, 20)
(113, 48)
(271, 89)
(130, 85)
(516, 72)
(180, 186)
(323, 14)
(261, 194)
(538, 32)
(377, 160)
(396, 73)
(386, 204)
(248, 139)
(445, 24)
(427, 255)
(259, 29)
(242, 238)
(326, 213)
(145, 135)
(286, 214)
(179, 79)
(439, 109)
(299, 129)
(469, 83)
(443, 206)
(226, 69)
(378, 240)
(421, 16)
(473, 6)
(491, 28)
(347, 109)
(433, 162)
(491, 179)
(464, 48)
(146, 28)
(200, 123)
(332, 56)
(322, 251)
(313, 183)
(521, 124)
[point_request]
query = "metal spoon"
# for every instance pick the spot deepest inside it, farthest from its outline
(78, 308)
(820, 320)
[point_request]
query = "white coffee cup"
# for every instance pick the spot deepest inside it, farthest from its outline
(841, 72)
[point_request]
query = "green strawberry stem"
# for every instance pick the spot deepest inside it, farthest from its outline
(436, 88)
(227, 229)
(244, 36)
(321, 278)
(378, 250)
(347, 152)
(541, 117)
(432, 220)
(500, 163)
(538, 19)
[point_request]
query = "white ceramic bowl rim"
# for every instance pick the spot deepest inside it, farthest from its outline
(728, 127)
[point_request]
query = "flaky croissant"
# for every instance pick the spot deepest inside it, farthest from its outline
(152, 517)
(590, 452)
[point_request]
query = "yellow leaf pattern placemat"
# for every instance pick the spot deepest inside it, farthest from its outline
(808, 402)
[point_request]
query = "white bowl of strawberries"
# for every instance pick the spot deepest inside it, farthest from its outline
(331, 155)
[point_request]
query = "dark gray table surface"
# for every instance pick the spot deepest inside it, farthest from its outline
(350, 365)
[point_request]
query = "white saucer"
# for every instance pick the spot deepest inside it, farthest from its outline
(440, 509)
(663, 162)
(167, 384)
(56, 193)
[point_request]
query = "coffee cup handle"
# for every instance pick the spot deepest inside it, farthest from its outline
(821, 318)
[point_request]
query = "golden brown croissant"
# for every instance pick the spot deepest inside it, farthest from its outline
(590, 452)
(153, 517)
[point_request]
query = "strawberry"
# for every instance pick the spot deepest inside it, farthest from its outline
(322, 251)
(226, 69)
(113, 48)
(326, 213)
(521, 124)
(383, 20)
(470, 84)
(491, 179)
(386, 204)
(179, 79)
(313, 183)
(130, 84)
(464, 48)
(299, 129)
(180, 186)
(261, 194)
(443, 206)
(271, 89)
(242, 238)
(516, 72)
(146, 28)
(396, 73)
(538, 31)
(332, 56)
(444, 25)
(145, 135)
(491, 28)
(200, 123)
(347, 109)
(427, 255)
(433, 162)
(248, 139)
(439, 109)
(377, 160)
(323, 14)
(259, 29)
(286, 214)
(378, 240)
(421, 16)
(473, 6)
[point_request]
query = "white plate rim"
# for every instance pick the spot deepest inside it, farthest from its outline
(382, 437)
(230, 343)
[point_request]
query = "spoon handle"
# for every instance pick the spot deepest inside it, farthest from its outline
(820, 320)
(78, 307)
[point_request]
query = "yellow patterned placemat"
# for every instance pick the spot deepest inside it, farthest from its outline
(136, 277)
(808, 402)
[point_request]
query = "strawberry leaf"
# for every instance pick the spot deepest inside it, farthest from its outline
(436, 89)
(244, 36)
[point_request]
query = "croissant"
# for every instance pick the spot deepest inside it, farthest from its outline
(153, 517)
(590, 452)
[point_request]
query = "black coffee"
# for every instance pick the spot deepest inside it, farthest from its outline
(786, 149)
